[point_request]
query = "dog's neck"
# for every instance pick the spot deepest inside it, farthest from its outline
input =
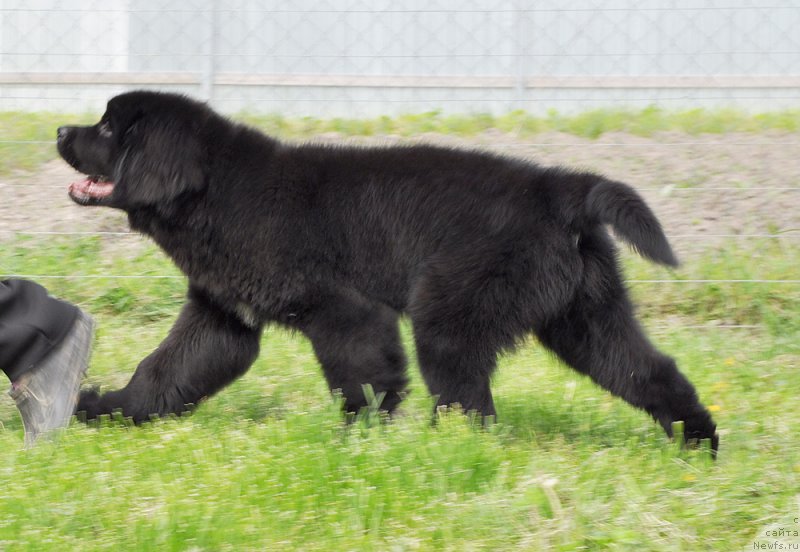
(171, 232)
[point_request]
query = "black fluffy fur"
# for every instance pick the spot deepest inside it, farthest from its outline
(478, 250)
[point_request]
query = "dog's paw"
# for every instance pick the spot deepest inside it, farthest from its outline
(88, 404)
(696, 432)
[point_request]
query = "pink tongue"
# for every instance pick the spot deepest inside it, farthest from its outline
(89, 188)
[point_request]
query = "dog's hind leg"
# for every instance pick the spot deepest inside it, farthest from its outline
(357, 342)
(457, 371)
(598, 336)
(607, 344)
(457, 344)
(206, 349)
(469, 306)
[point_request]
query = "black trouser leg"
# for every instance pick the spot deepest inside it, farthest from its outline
(32, 323)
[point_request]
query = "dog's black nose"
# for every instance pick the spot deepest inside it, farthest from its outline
(62, 132)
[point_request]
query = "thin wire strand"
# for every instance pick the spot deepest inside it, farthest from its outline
(663, 189)
(791, 234)
(70, 233)
(165, 277)
(348, 10)
(553, 144)
(259, 56)
(714, 281)
(445, 101)
(91, 277)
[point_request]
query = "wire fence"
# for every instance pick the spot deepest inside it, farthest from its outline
(373, 57)
(368, 58)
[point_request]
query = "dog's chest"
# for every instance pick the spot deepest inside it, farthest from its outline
(236, 277)
(231, 293)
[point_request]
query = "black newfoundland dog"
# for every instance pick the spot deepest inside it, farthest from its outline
(478, 250)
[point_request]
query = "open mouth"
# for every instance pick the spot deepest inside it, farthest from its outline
(92, 190)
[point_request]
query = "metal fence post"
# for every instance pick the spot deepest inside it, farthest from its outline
(519, 37)
(210, 51)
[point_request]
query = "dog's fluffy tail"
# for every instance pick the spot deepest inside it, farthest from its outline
(619, 206)
(587, 200)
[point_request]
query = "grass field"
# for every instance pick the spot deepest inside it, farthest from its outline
(26, 139)
(268, 464)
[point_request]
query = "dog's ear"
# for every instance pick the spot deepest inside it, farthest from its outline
(160, 160)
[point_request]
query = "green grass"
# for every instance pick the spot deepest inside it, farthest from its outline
(590, 124)
(27, 139)
(771, 307)
(267, 464)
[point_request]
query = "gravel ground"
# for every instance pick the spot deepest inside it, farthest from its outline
(702, 187)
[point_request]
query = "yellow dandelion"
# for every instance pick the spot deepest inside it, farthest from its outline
(714, 408)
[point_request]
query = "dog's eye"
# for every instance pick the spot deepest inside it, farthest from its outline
(104, 129)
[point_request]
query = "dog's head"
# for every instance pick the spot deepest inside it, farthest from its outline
(144, 152)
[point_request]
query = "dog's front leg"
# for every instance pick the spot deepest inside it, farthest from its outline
(206, 349)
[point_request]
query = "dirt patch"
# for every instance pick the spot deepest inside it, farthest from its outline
(703, 188)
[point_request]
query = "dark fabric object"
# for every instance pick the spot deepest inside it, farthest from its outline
(31, 324)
